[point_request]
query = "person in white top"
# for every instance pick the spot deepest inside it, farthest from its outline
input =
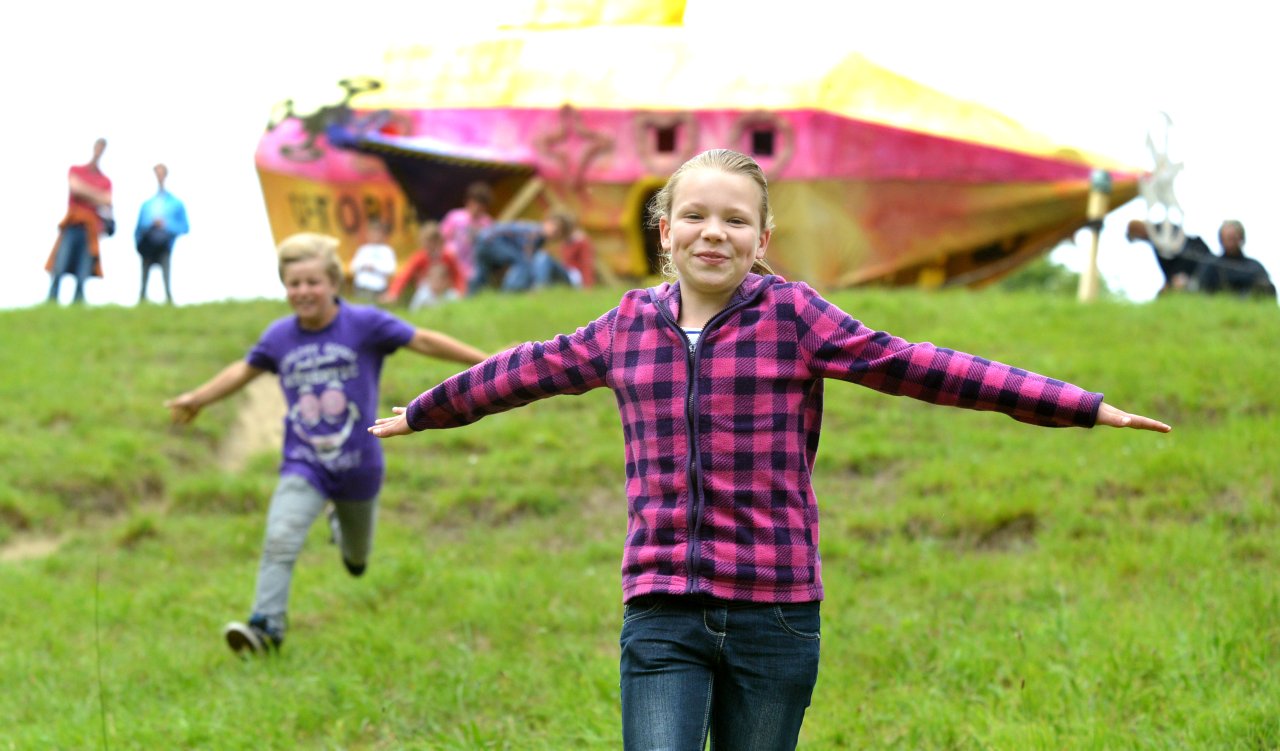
(373, 265)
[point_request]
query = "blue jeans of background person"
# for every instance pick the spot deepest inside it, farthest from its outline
(535, 272)
(294, 506)
(693, 665)
(73, 258)
(494, 256)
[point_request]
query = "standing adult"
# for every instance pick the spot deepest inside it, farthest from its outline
(88, 216)
(160, 221)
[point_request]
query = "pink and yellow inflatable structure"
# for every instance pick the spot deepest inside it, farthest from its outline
(874, 177)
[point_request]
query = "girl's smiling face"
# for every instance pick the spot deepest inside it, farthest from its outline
(714, 232)
(311, 293)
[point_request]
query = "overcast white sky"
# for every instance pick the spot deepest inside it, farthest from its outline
(194, 88)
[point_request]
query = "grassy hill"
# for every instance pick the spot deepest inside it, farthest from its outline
(989, 584)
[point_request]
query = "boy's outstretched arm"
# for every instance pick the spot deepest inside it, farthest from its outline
(444, 347)
(1117, 418)
(183, 408)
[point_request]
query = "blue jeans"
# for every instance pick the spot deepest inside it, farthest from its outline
(73, 258)
(535, 272)
(494, 256)
(693, 665)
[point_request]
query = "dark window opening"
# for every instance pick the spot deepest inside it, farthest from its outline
(762, 141)
(666, 139)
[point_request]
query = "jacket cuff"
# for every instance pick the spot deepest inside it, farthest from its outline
(413, 415)
(1093, 405)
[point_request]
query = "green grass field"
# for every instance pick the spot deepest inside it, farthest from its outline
(990, 585)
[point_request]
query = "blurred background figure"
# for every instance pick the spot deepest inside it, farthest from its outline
(461, 225)
(436, 288)
(500, 248)
(1179, 266)
(573, 247)
(433, 270)
(373, 265)
(88, 215)
(161, 220)
(1233, 271)
(516, 255)
(1193, 267)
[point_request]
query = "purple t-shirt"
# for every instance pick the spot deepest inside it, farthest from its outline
(330, 382)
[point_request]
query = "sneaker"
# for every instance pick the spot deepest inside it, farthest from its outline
(250, 638)
(355, 569)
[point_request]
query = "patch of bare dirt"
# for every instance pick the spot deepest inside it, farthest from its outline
(258, 428)
(29, 548)
(259, 425)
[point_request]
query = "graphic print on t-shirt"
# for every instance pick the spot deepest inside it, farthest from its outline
(323, 416)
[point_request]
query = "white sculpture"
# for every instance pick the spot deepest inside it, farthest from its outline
(1164, 213)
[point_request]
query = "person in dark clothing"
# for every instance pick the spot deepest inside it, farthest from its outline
(1193, 267)
(1234, 272)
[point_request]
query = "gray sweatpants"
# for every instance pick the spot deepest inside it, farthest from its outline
(294, 506)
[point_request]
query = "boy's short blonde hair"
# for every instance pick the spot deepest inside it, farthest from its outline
(306, 246)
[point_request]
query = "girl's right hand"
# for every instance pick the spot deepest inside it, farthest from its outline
(387, 427)
(1118, 418)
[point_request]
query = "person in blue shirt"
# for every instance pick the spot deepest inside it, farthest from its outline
(160, 221)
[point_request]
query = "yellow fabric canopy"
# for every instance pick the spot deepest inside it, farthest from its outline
(551, 14)
(644, 67)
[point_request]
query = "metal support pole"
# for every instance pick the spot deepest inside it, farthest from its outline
(1096, 209)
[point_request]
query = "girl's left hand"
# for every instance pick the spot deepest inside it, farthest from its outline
(387, 427)
(1115, 418)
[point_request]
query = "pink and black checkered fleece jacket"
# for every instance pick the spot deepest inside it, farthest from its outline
(721, 437)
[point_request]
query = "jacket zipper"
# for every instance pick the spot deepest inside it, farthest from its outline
(697, 500)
